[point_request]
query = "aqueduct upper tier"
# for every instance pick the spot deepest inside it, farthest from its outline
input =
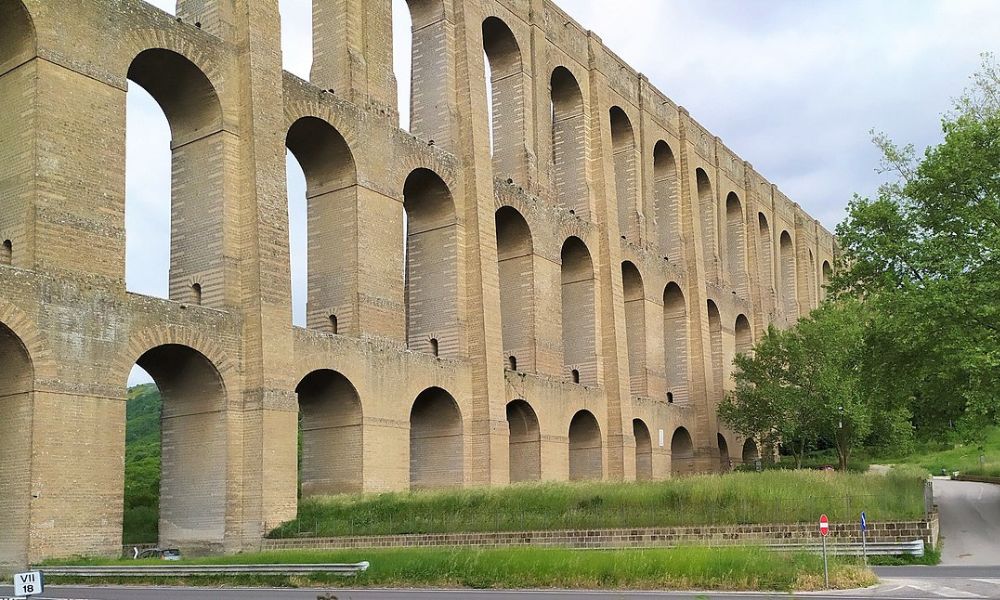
(550, 284)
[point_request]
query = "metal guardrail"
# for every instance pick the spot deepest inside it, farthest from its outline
(914, 548)
(346, 570)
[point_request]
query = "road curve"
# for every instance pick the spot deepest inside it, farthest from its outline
(970, 522)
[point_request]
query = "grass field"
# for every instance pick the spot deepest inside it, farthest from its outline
(935, 458)
(741, 568)
(736, 498)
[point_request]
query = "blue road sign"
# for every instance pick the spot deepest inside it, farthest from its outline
(864, 522)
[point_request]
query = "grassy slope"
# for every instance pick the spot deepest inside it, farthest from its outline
(769, 497)
(142, 465)
(680, 568)
(955, 457)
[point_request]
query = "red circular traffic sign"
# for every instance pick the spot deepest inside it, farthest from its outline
(824, 526)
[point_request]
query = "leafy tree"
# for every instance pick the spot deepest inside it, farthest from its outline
(923, 254)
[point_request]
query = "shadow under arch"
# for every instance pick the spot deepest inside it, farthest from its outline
(585, 447)
(681, 453)
(525, 446)
(331, 425)
(17, 380)
(515, 261)
(194, 453)
(436, 446)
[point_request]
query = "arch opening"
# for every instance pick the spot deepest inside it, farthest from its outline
(568, 144)
(189, 102)
(16, 398)
(6, 252)
(765, 252)
(585, 447)
(643, 451)
(786, 253)
(515, 256)
(744, 335)
(321, 258)
(505, 82)
(17, 35)
(331, 435)
(431, 280)
(750, 451)
(707, 210)
(436, 445)
(635, 328)
(715, 341)
(525, 446)
(736, 244)
(624, 160)
(578, 312)
(675, 343)
(681, 453)
(666, 194)
(725, 464)
(187, 400)
(827, 275)
(431, 79)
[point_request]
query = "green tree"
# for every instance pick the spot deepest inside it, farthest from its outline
(923, 255)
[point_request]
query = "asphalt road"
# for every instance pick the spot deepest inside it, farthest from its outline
(970, 522)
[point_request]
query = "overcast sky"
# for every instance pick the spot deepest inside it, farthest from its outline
(793, 86)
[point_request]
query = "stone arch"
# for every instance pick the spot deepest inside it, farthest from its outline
(786, 277)
(430, 77)
(715, 345)
(744, 335)
(635, 328)
(725, 463)
(331, 197)
(431, 289)
(624, 161)
(736, 244)
(191, 105)
(569, 144)
(750, 451)
(525, 443)
(17, 35)
(707, 210)
(681, 452)
(332, 436)
(666, 194)
(585, 447)
(515, 256)
(643, 450)
(579, 324)
(505, 63)
(436, 445)
(194, 455)
(17, 384)
(675, 342)
(827, 274)
(765, 251)
(810, 280)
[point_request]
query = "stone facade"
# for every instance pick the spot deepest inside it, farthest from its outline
(563, 307)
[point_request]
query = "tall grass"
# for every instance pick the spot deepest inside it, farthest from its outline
(743, 568)
(736, 498)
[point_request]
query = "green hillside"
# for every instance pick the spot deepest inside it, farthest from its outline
(142, 465)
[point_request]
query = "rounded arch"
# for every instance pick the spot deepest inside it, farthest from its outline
(525, 446)
(675, 342)
(765, 251)
(436, 445)
(744, 335)
(331, 434)
(681, 452)
(736, 243)
(635, 327)
(501, 47)
(568, 143)
(715, 345)
(17, 35)
(17, 380)
(194, 446)
(585, 447)
(183, 91)
(578, 311)
(623, 150)
(725, 464)
(827, 274)
(666, 196)
(431, 289)
(506, 86)
(515, 260)
(707, 210)
(643, 450)
(787, 288)
(750, 451)
(323, 153)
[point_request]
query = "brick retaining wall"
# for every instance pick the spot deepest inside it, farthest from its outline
(903, 531)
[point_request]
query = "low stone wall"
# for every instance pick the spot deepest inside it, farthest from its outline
(893, 532)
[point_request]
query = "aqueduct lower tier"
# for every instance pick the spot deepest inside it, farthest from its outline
(565, 306)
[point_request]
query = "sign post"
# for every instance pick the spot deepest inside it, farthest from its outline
(864, 537)
(28, 584)
(824, 530)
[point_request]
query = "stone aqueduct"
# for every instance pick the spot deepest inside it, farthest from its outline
(581, 263)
